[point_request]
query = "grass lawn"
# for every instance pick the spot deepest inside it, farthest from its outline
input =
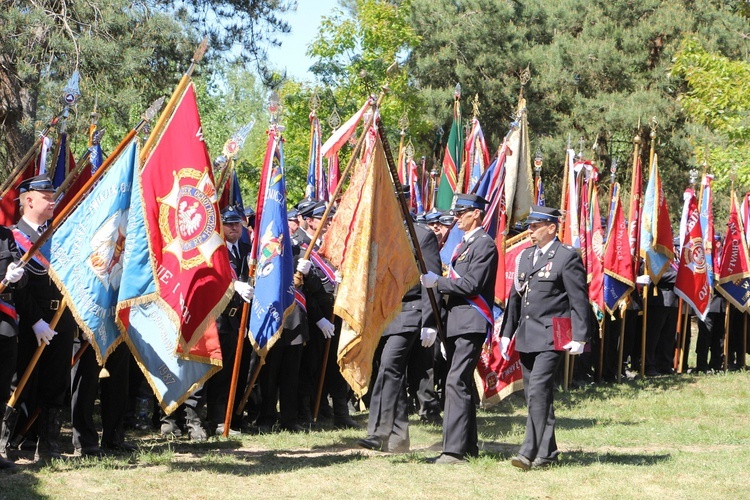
(670, 437)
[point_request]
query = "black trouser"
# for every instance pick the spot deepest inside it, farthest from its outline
(309, 373)
(538, 384)
(661, 330)
(421, 380)
(217, 387)
(8, 355)
(112, 391)
(388, 418)
(84, 389)
(710, 338)
(460, 416)
(279, 381)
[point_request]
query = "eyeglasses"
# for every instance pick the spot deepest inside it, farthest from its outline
(461, 212)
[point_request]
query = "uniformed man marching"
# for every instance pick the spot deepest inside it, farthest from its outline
(550, 292)
(470, 287)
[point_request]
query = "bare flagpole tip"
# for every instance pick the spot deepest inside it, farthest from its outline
(200, 51)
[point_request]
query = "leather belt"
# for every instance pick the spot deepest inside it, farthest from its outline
(52, 305)
(232, 312)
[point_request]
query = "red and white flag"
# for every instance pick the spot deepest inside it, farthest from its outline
(692, 276)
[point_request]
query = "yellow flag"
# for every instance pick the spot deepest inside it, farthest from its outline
(369, 244)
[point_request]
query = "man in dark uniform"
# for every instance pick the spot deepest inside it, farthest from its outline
(228, 324)
(470, 286)
(550, 287)
(320, 312)
(37, 304)
(388, 423)
(661, 322)
(14, 277)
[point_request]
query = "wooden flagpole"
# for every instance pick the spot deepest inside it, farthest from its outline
(147, 116)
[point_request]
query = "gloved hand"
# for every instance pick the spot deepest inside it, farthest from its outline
(429, 280)
(303, 266)
(574, 347)
(504, 343)
(43, 332)
(13, 273)
(428, 336)
(246, 290)
(326, 327)
(337, 276)
(643, 279)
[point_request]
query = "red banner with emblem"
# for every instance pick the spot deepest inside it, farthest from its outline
(191, 265)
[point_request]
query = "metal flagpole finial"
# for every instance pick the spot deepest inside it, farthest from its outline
(409, 150)
(274, 106)
(403, 123)
(693, 177)
(72, 91)
(580, 148)
(538, 161)
(570, 143)
(334, 121)
(457, 92)
(475, 105)
(200, 51)
(234, 144)
(654, 126)
(613, 170)
(314, 102)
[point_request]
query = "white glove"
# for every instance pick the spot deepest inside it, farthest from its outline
(13, 273)
(303, 266)
(504, 343)
(643, 279)
(326, 327)
(43, 332)
(246, 290)
(337, 276)
(429, 280)
(574, 347)
(428, 336)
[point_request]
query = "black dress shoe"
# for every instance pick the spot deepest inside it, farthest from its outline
(89, 451)
(541, 463)
(398, 448)
(371, 443)
(521, 462)
(6, 464)
(293, 428)
(121, 447)
(449, 459)
(345, 423)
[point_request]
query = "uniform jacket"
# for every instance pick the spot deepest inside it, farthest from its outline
(38, 299)
(662, 294)
(475, 261)
(553, 287)
(416, 311)
(8, 253)
(229, 320)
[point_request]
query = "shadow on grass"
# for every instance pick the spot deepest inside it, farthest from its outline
(21, 483)
(263, 462)
(581, 458)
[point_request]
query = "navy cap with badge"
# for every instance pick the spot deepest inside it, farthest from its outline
(38, 183)
(230, 215)
(292, 214)
(462, 202)
(433, 216)
(540, 213)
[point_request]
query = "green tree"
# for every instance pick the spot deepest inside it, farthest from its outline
(127, 53)
(598, 68)
(717, 101)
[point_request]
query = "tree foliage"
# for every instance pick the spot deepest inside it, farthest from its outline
(717, 101)
(599, 67)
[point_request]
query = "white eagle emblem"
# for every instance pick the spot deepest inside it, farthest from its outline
(189, 220)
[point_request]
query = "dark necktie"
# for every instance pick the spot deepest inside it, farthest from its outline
(236, 253)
